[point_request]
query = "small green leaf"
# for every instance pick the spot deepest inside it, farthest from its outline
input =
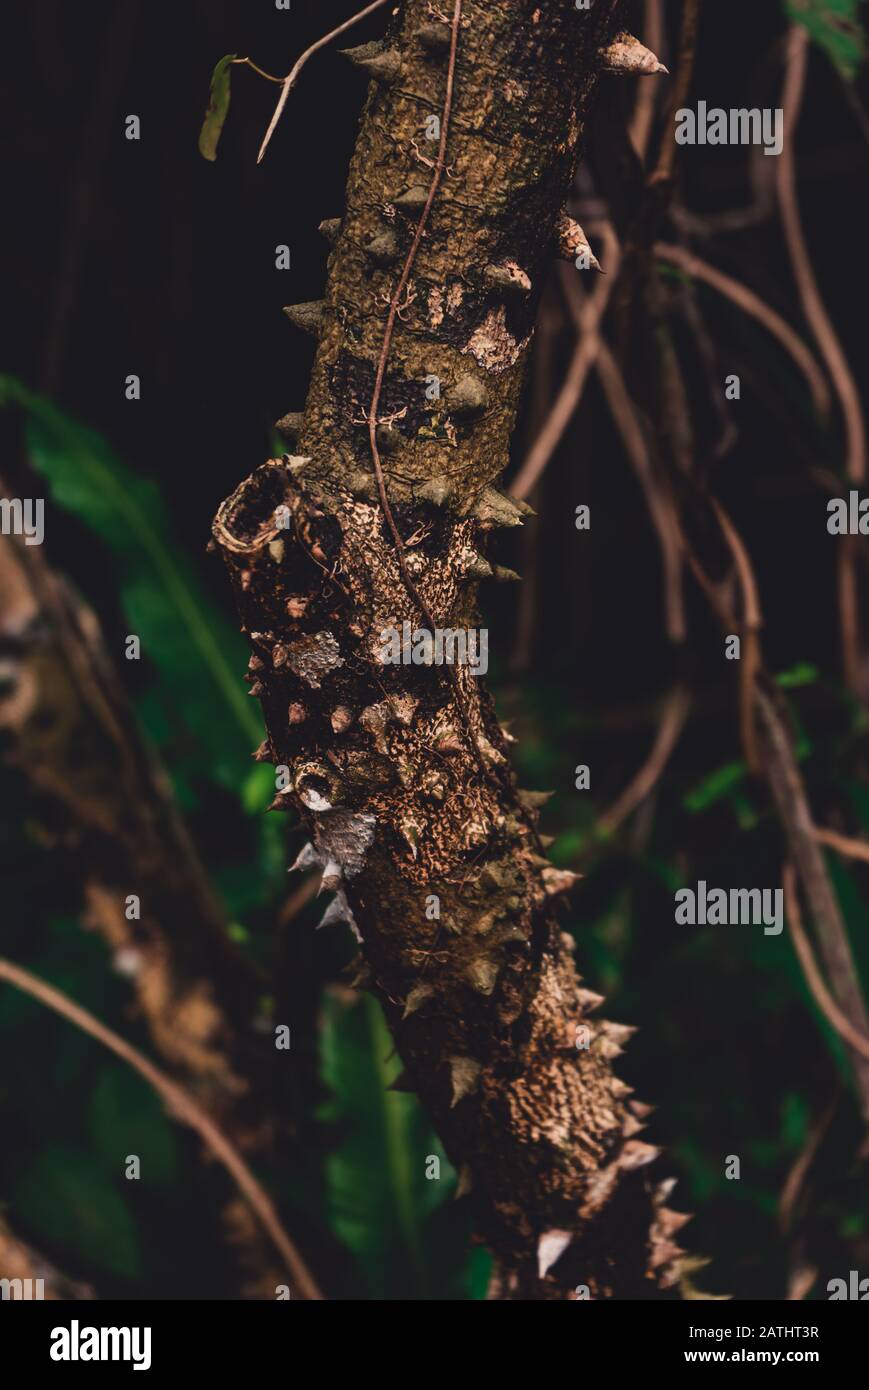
(799, 675)
(218, 107)
(713, 787)
(834, 25)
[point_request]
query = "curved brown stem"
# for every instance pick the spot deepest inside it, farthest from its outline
(181, 1107)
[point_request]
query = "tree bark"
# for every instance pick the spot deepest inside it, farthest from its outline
(401, 770)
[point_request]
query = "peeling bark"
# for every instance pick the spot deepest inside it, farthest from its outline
(401, 772)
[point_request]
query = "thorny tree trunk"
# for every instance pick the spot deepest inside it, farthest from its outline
(410, 797)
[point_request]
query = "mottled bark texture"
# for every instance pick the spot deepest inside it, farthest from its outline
(414, 814)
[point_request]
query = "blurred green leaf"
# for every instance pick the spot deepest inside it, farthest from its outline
(65, 1200)
(258, 789)
(196, 651)
(218, 107)
(801, 674)
(834, 25)
(378, 1192)
(126, 1117)
(718, 784)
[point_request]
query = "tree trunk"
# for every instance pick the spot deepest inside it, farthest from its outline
(401, 770)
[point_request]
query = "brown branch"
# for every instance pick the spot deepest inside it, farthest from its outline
(181, 1107)
(670, 726)
(627, 422)
(821, 995)
(796, 1178)
(826, 338)
(293, 76)
(568, 398)
(647, 92)
(678, 90)
(752, 304)
(801, 260)
(790, 798)
(852, 849)
(752, 620)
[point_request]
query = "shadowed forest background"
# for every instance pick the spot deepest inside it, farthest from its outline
(140, 257)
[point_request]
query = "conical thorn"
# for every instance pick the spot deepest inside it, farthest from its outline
(307, 316)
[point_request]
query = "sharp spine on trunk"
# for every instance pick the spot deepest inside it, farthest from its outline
(628, 57)
(550, 1247)
(478, 566)
(362, 484)
(468, 397)
(436, 490)
(363, 975)
(413, 200)
(388, 439)
(290, 426)
(296, 463)
(588, 1000)
(381, 63)
(571, 242)
(482, 974)
(465, 1183)
(495, 508)
(435, 37)
(330, 229)
(308, 316)
(557, 881)
(417, 996)
(263, 754)
(465, 1077)
(504, 575)
(341, 718)
(335, 912)
(383, 248)
(508, 278)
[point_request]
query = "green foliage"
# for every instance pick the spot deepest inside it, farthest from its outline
(71, 1204)
(126, 1117)
(714, 786)
(834, 25)
(380, 1198)
(197, 653)
(801, 674)
(218, 107)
